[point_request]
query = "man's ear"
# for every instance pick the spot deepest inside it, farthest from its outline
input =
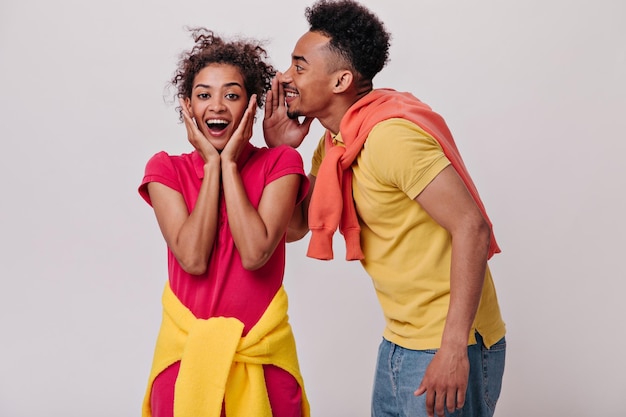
(343, 81)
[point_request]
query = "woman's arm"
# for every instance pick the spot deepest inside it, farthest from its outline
(190, 236)
(256, 232)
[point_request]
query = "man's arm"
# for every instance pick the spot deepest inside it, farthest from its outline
(449, 203)
(299, 223)
(279, 129)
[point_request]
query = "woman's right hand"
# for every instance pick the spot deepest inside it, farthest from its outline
(197, 138)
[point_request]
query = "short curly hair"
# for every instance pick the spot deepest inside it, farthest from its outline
(247, 55)
(355, 33)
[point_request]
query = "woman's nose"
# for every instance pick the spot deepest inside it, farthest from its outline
(217, 104)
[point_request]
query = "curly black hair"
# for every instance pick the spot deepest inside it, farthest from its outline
(247, 55)
(357, 34)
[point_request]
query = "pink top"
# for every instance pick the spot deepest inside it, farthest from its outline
(227, 289)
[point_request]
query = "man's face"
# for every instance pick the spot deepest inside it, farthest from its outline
(307, 82)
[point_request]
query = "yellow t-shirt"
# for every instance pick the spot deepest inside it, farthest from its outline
(407, 253)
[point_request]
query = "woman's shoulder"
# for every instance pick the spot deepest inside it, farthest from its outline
(280, 152)
(163, 158)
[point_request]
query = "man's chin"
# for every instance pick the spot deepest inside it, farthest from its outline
(293, 115)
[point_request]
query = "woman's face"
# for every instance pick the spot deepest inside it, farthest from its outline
(218, 101)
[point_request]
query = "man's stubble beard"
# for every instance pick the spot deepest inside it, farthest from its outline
(293, 115)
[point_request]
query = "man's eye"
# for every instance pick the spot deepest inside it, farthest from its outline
(298, 68)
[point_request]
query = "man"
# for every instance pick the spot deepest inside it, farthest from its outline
(419, 229)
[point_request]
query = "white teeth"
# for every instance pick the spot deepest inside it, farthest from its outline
(290, 94)
(217, 121)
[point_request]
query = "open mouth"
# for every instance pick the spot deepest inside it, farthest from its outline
(217, 125)
(290, 96)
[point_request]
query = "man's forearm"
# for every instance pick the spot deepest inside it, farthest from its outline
(299, 223)
(467, 273)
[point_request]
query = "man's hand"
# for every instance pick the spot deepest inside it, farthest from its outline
(445, 381)
(278, 128)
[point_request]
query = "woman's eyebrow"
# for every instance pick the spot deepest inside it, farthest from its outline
(231, 84)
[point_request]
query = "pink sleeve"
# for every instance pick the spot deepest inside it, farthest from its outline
(288, 161)
(159, 169)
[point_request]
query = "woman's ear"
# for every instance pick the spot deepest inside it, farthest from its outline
(343, 81)
(187, 103)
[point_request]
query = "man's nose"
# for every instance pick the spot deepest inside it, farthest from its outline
(285, 77)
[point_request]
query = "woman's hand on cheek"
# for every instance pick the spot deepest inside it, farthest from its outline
(196, 137)
(241, 136)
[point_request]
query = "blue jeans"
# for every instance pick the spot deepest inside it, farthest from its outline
(399, 372)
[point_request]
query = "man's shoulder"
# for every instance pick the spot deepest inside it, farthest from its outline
(397, 124)
(396, 132)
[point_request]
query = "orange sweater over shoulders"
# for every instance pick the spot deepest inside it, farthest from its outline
(332, 205)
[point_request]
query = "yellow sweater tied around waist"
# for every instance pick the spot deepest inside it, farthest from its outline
(218, 365)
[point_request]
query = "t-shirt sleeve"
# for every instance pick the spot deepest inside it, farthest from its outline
(318, 155)
(159, 169)
(289, 161)
(404, 155)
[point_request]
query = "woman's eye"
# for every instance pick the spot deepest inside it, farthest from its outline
(232, 96)
(203, 96)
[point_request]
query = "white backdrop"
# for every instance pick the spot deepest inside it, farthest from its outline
(533, 91)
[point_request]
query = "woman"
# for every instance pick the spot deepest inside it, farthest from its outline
(225, 346)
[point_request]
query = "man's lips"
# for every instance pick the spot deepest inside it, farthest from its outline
(290, 95)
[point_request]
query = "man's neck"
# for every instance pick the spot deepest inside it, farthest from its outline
(337, 110)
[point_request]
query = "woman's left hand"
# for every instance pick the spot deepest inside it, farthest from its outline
(242, 134)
